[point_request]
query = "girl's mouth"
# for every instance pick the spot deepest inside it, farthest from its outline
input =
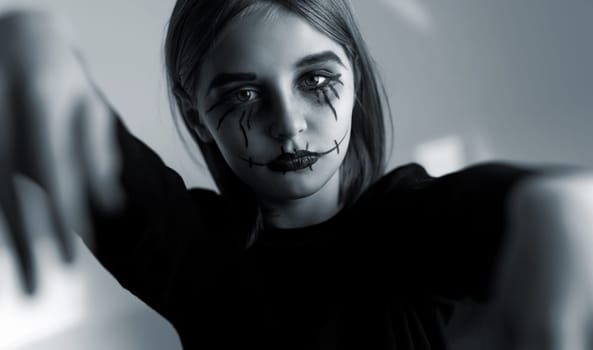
(293, 161)
(297, 160)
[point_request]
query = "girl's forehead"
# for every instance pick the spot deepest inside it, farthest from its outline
(267, 42)
(254, 23)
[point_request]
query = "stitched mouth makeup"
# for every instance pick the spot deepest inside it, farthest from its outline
(294, 161)
(297, 160)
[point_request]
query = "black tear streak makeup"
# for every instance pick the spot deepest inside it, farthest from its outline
(229, 111)
(328, 102)
(333, 89)
(337, 146)
(214, 106)
(243, 130)
(249, 112)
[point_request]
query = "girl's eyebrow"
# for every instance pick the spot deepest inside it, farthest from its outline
(226, 78)
(324, 56)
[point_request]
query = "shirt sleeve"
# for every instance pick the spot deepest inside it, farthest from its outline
(146, 246)
(450, 229)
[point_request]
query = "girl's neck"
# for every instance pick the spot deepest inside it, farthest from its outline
(306, 211)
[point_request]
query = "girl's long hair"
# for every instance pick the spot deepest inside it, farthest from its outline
(192, 30)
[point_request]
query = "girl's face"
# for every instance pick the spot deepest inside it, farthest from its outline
(276, 96)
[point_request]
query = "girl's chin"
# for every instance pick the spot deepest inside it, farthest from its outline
(289, 193)
(294, 185)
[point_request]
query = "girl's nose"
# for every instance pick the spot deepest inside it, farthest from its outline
(287, 120)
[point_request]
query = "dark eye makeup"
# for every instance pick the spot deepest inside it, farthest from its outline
(236, 98)
(241, 96)
(319, 82)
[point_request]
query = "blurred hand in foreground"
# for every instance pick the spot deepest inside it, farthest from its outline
(544, 295)
(55, 129)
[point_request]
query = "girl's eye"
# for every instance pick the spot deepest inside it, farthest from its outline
(317, 81)
(314, 81)
(242, 96)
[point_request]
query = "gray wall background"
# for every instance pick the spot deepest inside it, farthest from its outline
(468, 81)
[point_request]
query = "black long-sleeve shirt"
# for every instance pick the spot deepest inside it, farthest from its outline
(375, 276)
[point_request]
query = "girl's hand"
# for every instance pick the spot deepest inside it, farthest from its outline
(545, 286)
(56, 130)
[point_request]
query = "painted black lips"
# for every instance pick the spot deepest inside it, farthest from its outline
(293, 161)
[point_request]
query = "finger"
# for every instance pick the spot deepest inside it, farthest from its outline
(35, 161)
(8, 198)
(71, 189)
(17, 232)
(100, 155)
(72, 182)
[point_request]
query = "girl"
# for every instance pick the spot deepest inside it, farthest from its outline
(307, 244)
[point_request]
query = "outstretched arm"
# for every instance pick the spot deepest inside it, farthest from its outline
(544, 289)
(133, 212)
